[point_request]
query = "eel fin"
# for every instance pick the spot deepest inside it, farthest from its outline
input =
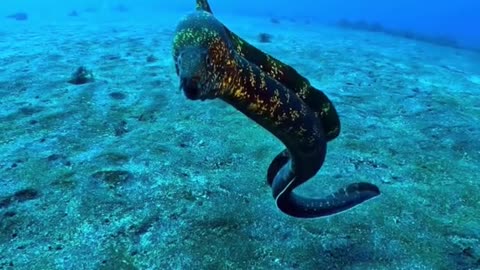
(277, 163)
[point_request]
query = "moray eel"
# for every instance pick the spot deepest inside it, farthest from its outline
(212, 63)
(286, 75)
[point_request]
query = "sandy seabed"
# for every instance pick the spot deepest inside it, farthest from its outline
(126, 173)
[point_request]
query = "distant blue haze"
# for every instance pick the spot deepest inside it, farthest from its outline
(458, 19)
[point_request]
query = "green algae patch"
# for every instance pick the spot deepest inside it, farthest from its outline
(113, 178)
(115, 158)
(118, 258)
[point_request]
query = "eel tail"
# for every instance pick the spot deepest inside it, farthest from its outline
(299, 206)
(203, 5)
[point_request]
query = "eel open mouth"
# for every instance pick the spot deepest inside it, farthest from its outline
(190, 88)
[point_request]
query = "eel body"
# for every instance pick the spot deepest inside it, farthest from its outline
(288, 76)
(212, 62)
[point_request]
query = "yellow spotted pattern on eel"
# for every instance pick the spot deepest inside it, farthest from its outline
(276, 70)
(191, 36)
(263, 83)
(275, 103)
(294, 114)
(240, 93)
(303, 91)
(325, 108)
(259, 106)
(239, 47)
(251, 76)
(226, 83)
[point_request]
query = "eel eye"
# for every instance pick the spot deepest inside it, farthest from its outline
(208, 59)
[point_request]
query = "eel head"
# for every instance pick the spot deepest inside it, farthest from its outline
(201, 51)
(191, 66)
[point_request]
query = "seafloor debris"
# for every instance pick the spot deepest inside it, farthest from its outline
(113, 178)
(117, 95)
(19, 16)
(81, 76)
(274, 20)
(19, 196)
(265, 38)
(73, 13)
(151, 58)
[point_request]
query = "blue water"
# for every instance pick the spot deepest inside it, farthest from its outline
(455, 19)
(109, 160)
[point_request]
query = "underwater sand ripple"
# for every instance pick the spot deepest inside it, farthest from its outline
(133, 174)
